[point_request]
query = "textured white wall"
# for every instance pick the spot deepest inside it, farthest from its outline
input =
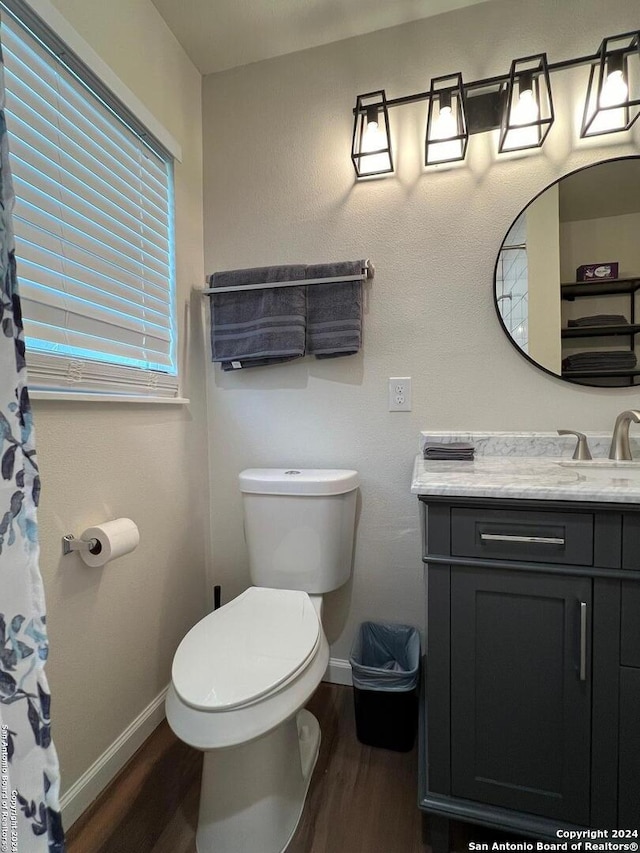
(114, 630)
(279, 188)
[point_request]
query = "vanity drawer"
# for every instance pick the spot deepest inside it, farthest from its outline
(538, 537)
(630, 624)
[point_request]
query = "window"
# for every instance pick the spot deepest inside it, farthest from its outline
(94, 225)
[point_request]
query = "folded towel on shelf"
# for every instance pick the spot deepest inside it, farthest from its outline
(334, 311)
(458, 451)
(252, 328)
(599, 320)
(606, 360)
(612, 356)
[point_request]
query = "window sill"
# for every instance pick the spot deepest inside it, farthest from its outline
(87, 397)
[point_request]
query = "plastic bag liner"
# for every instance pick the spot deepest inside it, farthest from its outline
(386, 657)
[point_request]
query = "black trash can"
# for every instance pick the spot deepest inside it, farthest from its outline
(385, 664)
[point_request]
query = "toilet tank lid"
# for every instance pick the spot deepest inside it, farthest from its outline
(298, 481)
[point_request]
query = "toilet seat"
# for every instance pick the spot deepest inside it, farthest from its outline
(246, 649)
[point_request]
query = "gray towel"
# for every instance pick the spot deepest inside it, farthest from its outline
(458, 451)
(599, 320)
(600, 360)
(334, 311)
(252, 328)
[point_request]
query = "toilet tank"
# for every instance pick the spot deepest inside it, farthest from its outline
(299, 525)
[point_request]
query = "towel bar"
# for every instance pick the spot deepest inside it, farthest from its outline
(366, 273)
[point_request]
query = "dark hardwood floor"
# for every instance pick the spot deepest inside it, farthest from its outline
(361, 799)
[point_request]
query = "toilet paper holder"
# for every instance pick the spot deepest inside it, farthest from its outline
(98, 545)
(70, 543)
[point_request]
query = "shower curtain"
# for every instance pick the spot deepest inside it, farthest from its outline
(29, 780)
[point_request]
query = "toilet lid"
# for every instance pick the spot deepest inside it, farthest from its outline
(245, 649)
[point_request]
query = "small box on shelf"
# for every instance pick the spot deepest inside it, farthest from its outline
(597, 272)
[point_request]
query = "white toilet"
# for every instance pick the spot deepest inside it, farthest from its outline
(242, 674)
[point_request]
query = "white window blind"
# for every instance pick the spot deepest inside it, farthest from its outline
(94, 232)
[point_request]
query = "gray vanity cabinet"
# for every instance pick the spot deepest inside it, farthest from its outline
(530, 719)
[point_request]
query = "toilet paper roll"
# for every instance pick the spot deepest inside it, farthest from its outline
(114, 539)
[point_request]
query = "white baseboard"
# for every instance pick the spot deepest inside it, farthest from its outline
(338, 672)
(94, 780)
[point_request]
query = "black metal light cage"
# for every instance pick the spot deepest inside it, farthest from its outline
(445, 94)
(533, 69)
(364, 113)
(612, 57)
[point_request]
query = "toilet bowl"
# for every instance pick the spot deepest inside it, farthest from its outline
(241, 676)
(251, 725)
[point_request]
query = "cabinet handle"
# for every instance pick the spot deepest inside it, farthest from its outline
(506, 537)
(583, 641)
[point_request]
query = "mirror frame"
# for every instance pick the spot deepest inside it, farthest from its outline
(495, 273)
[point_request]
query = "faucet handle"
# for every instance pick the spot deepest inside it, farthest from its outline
(582, 447)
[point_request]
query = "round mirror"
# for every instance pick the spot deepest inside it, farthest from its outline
(568, 274)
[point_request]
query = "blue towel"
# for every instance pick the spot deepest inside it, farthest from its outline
(334, 311)
(252, 328)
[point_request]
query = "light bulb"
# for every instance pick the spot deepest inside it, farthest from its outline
(615, 90)
(373, 139)
(445, 128)
(526, 110)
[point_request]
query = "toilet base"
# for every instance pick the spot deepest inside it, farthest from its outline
(252, 795)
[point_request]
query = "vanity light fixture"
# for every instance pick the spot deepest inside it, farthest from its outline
(613, 93)
(528, 107)
(371, 143)
(519, 104)
(447, 135)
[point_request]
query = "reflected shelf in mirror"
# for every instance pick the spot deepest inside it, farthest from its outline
(600, 331)
(591, 289)
(573, 289)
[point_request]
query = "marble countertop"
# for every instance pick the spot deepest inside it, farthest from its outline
(498, 472)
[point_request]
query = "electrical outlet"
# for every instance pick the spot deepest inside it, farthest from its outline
(400, 394)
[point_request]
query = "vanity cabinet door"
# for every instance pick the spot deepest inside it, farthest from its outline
(520, 691)
(630, 624)
(629, 768)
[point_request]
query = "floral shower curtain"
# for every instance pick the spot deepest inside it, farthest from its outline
(29, 780)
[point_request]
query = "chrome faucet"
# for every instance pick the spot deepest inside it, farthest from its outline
(620, 439)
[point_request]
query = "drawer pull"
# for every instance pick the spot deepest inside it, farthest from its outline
(583, 641)
(506, 537)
